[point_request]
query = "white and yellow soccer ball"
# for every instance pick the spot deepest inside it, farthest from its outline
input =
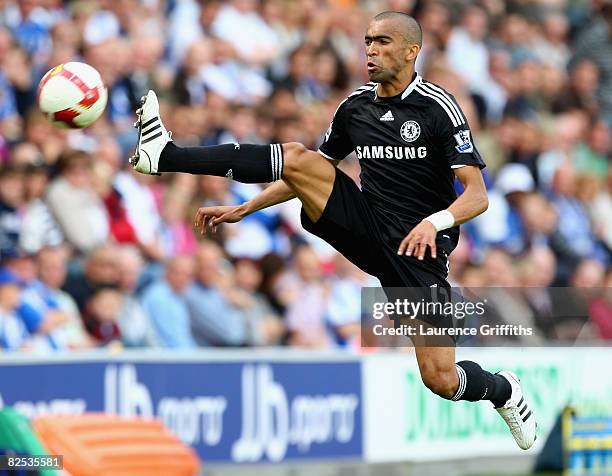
(72, 95)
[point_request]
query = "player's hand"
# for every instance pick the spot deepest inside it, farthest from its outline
(212, 216)
(416, 242)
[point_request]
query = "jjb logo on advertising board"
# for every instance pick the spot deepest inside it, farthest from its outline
(229, 412)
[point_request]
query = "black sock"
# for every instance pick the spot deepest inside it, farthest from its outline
(477, 384)
(247, 163)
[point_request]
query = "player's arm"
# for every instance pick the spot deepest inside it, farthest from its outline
(454, 136)
(471, 203)
(336, 146)
(277, 192)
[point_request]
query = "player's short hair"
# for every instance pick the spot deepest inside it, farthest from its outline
(411, 29)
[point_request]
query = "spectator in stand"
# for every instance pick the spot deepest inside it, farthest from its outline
(537, 272)
(575, 226)
(503, 296)
(53, 321)
(142, 211)
(565, 137)
(592, 192)
(78, 209)
(48, 139)
(435, 19)
(344, 305)
(13, 333)
(580, 93)
(166, 304)
(466, 52)
(500, 225)
(551, 44)
(239, 23)
(474, 277)
(135, 326)
(177, 233)
(101, 269)
(572, 321)
(52, 263)
(594, 44)
(231, 80)
(266, 325)
(11, 200)
(101, 315)
(10, 120)
(299, 80)
(188, 87)
(208, 299)
(273, 270)
(39, 227)
(588, 274)
(591, 156)
(307, 325)
(105, 170)
(37, 309)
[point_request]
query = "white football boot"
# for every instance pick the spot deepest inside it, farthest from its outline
(152, 136)
(517, 414)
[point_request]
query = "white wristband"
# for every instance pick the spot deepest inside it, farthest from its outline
(441, 220)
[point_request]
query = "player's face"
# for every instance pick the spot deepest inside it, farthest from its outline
(388, 51)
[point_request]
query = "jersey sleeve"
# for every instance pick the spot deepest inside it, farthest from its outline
(337, 144)
(456, 138)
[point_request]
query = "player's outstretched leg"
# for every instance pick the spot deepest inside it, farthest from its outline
(155, 153)
(466, 380)
(307, 173)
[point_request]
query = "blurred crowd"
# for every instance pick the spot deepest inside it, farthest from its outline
(94, 254)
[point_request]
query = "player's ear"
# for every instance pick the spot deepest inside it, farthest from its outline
(412, 52)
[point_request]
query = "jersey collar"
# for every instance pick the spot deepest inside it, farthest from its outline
(415, 82)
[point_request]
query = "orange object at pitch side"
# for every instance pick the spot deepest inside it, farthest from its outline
(96, 444)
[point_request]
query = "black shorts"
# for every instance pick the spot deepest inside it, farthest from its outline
(350, 225)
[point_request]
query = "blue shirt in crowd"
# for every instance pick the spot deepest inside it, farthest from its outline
(214, 321)
(169, 314)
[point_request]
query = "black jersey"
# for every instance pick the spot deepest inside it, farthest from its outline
(407, 146)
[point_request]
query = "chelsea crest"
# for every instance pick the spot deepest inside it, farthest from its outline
(410, 131)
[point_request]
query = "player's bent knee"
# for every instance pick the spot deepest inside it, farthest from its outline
(440, 382)
(295, 158)
(293, 150)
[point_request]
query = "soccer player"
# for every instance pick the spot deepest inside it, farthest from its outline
(412, 141)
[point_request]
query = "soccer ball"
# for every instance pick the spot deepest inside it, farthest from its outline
(72, 95)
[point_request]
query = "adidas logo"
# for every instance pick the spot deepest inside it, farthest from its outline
(230, 174)
(387, 116)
